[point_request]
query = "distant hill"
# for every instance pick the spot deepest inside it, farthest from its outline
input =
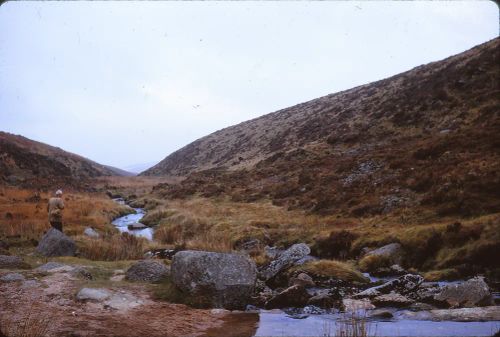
(426, 138)
(28, 163)
(140, 167)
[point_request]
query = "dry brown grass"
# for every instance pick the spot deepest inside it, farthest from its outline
(331, 268)
(112, 247)
(23, 216)
(33, 323)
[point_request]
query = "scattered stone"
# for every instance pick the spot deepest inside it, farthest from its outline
(12, 277)
(491, 313)
(90, 232)
(285, 260)
(403, 285)
(161, 253)
(30, 284)
(56, 267)
(392, 300)
(225, 280)
(248, 245)
(12, 262)
(93, 295)
(474, 292)
(55, 243)
(294, 296)
(302, 280)
(380, 314)
(137, 226)
(394, 270)
(147, 271)
(322, 301)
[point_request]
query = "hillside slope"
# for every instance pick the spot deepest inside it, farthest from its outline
(427, 137)
(28, 163)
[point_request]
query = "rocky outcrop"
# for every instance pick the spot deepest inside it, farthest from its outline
(55, 243)
(405, 284)
(147, 271)
(294, 296)
(12, 262)
(323, 301)
(224, 280)
(471, 293)
(285, 260)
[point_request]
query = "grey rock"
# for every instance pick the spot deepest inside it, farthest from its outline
(93, 294)
(294, 296)
(272, 252)
(405, 284)
(90, 232)
(55, 243)
(12, 262)
(12, 277)
(302, 280)
(285, 260)
(147, 271)
(322, 301)
(392, 251)
(49, 266)
(137, 226)
(380, 314)
(306, 259)
(225, 280)
(491, 313)
(473, 292)
(392, 300)
(56, 267)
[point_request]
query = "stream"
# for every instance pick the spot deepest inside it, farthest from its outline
(123, 222)
(279, 323)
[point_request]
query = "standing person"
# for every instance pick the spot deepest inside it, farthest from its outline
(55, 207)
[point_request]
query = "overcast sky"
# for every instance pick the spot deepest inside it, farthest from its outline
(130, 82)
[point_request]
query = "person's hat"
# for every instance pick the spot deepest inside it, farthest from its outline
(59, 192)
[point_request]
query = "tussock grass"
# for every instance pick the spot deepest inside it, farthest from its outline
(112, 247)
(331, 268)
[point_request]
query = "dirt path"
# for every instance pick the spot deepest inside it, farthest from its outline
(49, 304)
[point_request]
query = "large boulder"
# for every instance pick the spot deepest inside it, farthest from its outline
(225, 280)
(12, 262)
(391, 252)
(147, 271)
(55, 243)
(285, 260)
(471, 293)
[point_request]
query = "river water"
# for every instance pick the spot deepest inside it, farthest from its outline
(122, 222)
